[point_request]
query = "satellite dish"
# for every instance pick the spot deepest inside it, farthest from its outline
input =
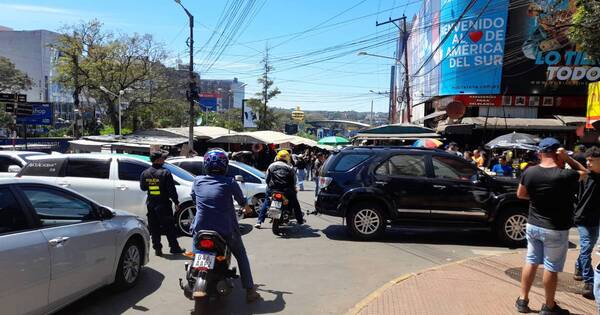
(455, 110)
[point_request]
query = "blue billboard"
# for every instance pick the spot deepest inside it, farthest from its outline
(42, 115)
(473, 50)
(208, 103)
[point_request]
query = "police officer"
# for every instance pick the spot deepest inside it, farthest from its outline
(159, 184)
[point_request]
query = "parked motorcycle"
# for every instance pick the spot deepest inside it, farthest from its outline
(280, 212)
(209, 274)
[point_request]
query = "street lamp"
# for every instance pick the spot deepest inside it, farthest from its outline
(192, 83)
(118, 96)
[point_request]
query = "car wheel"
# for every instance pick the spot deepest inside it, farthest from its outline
(258, 200)
(184, 218)
(366, 222)
(511, 227)
(130, 265)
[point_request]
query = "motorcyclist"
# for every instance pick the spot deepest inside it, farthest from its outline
(159, 184)
(212, 193)
(281, 177)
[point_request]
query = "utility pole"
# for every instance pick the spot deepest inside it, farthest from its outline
(371, 120)
(406, 84)
(192, 84)
(402, 38)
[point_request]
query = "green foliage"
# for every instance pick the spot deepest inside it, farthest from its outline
(11, 78)
(268, 119)
(585, 30)
(108, 130)
(60, 132)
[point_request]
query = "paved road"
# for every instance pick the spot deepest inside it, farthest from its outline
(316, 270)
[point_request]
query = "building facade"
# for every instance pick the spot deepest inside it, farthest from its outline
(505, 58)
(228, 93)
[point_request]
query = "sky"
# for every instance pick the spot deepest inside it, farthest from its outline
(313, 44)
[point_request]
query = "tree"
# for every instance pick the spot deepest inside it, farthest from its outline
(267, 118)
(12, 80)
(585, 29)
(92, 58)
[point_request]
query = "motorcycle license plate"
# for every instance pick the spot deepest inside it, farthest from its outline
(276, 204)
(204, 261)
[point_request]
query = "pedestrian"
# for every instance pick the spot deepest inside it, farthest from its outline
(502, 168)
(587, 220)
(550, 190)
(579, 154)
(159, 184)
(453, 149)
(301, 171)
(478, 158)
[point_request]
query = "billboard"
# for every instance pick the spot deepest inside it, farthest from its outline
(250, 117)
(540, 58)
(473, 46)
(593, 105)
(41, 115)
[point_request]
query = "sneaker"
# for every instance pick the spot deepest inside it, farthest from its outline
(577, 276)
(158, 252)
(556, 310)
(257, 226)
(177, 250)
(588, 291)
(522, 305)
(252, 295)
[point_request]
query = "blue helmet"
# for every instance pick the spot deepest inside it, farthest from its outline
(216, 162)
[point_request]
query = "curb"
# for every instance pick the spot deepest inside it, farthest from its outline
(378, 292)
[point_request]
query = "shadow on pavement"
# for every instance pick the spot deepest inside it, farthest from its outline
(110, 301)
(303, 231)
(245, 228)
(272, 302)
(423, 235)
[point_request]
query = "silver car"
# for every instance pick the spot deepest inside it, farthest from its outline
(57, 246)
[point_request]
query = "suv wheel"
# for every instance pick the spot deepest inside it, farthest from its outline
(366, 222)
(184, 218)
(511, 227)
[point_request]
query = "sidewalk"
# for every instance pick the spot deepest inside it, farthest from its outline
(483, 285)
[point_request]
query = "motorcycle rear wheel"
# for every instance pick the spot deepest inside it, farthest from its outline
(201, 306)
(276, 230)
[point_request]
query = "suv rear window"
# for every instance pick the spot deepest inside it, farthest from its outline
(348, 161)
(45, 167)
(403, 165)
(88, 168)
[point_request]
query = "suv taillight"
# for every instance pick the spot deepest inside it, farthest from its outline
(324, 182)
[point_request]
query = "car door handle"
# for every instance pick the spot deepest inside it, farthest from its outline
(64, 184)
(439, 186)
(380, 182)
(122, 187)
(58, 241)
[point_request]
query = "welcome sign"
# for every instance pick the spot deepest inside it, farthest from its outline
(473, 52)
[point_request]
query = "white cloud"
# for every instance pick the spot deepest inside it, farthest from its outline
(36, 9)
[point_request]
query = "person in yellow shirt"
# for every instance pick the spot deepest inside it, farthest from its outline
(478, 158)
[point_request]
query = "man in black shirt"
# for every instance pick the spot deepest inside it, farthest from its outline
(159, 184)
(551, 192)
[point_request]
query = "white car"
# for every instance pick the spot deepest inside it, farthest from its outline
(11, 162)
(57, 246)
(112, 180)
(251, 180)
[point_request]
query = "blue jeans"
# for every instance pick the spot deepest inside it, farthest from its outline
(588, 235)
(548, 247)
(301, 175)
(235, 243)
(597, 285)
(262, 212)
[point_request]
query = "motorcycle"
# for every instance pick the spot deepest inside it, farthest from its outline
(209, 274)
(280, 212)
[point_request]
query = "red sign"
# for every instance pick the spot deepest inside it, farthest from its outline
(572, 102)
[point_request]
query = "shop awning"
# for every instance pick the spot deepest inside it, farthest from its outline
(263, 137)
(571, 120)
(468, 124)
(200, 132)
(397, 132)
(430, 116)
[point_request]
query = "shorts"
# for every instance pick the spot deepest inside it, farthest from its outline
(548, 247)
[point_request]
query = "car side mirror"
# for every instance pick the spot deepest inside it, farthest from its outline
(14, 168)
(105, 213)
(239, 178)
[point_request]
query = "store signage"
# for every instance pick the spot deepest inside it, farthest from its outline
(593, 105)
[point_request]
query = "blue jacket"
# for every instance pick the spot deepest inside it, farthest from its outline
(214, 204)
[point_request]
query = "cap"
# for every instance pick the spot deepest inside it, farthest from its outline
(155, 155)
(549, 145)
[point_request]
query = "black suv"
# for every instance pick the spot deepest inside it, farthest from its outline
(371, 186)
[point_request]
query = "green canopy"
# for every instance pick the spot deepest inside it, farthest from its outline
(335, 140)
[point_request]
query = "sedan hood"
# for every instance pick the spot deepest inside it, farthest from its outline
(508, 184)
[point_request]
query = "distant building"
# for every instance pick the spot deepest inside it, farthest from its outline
(230, 95)
(31, 53)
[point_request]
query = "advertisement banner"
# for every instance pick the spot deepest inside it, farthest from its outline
(250, 117)
(473, 50)
(540, 58)
(41, 115)
(593, 105)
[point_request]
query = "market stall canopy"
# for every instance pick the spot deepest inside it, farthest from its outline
(397, 132)
(469, 123)
(127, 143)
(263, 137)
(334, 140)
(571, 120)
(200, 132)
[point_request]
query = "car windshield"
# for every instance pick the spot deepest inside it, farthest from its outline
(179, 172)
(251, 170)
